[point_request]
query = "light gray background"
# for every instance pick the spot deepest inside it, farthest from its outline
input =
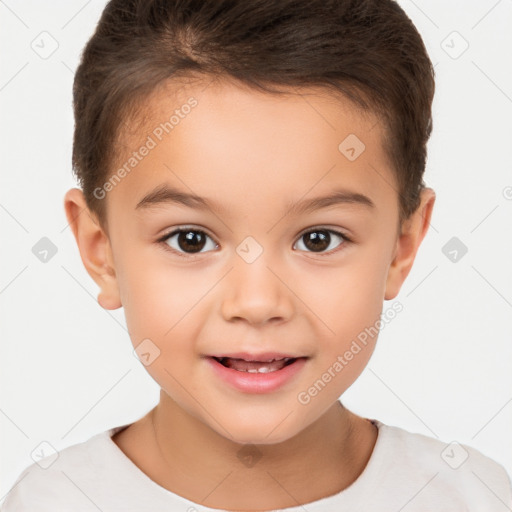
(441, 368)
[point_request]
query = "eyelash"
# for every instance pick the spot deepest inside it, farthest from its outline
(165, 238)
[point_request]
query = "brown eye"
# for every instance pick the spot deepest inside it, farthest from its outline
(188, 241)
(319, 240)
(191, 241)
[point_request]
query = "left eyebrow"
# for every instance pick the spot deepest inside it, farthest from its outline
(337, 197)
(166, 194)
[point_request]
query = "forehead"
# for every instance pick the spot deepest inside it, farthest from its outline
(228, 142)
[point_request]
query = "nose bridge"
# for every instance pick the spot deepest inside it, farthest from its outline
(254, 291)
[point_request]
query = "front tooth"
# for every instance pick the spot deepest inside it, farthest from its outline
(255, 367)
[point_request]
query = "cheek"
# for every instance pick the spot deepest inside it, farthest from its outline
(347, 298)
(162, 302)
(163, 306)
(349, 301)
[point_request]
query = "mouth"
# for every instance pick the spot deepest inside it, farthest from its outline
(254, 366)
(259, 373)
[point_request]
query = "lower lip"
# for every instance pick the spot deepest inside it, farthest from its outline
(257, 382)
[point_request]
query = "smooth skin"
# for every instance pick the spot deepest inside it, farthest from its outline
(252, 154)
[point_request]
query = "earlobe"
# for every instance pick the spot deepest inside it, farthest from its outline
(413, 232)
(94, 247)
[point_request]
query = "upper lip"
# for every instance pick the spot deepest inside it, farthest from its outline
(263, 357)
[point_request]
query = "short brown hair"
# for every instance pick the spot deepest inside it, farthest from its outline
(367, 50)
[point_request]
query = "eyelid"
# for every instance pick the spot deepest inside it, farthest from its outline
(321, 227)
(184, 227)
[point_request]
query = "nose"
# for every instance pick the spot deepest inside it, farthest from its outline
(257, 293)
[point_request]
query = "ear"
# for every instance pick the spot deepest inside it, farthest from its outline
(413, 231)
(94, 247)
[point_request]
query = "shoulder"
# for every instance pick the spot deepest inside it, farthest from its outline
(445, 470)
(61, 478)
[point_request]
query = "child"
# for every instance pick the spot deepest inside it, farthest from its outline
(252, 191)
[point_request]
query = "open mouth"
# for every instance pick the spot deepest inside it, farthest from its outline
(250, 376)
(255, 366)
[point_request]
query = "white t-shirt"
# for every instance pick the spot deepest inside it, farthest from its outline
(407, 472)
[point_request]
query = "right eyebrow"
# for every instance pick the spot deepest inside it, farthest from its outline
(166, 194)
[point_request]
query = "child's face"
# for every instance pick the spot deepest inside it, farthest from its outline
(256, 283)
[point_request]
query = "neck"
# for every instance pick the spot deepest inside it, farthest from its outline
(203, 466)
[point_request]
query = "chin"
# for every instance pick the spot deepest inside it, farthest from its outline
(258, 432)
